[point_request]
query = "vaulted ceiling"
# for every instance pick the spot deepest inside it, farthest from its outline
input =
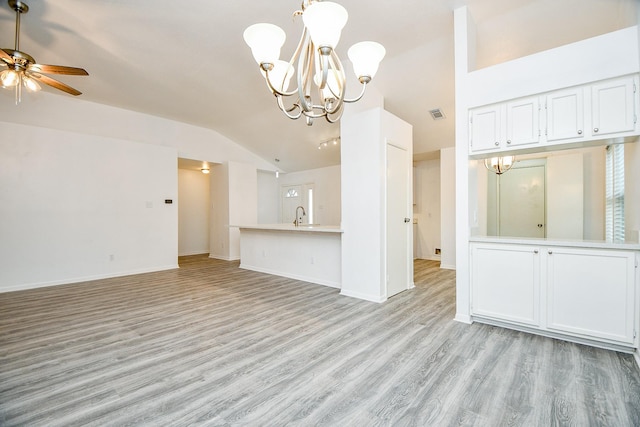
(187, 61)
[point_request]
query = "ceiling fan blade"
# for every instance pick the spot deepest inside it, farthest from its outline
(55, 84)
(5, 57)
(57, 69)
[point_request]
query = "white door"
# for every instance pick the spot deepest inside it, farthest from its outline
(521, 202)
(398, 220)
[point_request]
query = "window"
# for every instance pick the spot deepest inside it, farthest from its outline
(291, 193)
(614, 193)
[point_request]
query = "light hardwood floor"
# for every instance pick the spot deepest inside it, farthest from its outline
(210, 344)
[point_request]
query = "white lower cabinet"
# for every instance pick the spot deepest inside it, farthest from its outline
(591, 292)
(585, 293)
(506, 283)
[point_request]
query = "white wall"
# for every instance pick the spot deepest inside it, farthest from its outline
(363, 152)
(448, 208)
(268, 198)
(219, 214)
(77, 207)
(427, 209)
(243, 202)
(103, 145)
(326, 192)
(193, 212)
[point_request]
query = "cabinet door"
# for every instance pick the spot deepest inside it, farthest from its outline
(523, 121)
(591, 293)
(505, 282)
(565, 114)
(485, 124)
(613, 109)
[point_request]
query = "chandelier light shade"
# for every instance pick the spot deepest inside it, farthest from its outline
(325, 21)
(265, 41)
(500, 165)
(320, 76)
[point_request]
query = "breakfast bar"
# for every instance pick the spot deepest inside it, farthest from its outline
(311, 253)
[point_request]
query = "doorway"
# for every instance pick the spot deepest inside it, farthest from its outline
(194, 197)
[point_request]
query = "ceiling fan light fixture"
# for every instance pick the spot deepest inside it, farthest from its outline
(23, 71)
(30, 84)
(9, 78)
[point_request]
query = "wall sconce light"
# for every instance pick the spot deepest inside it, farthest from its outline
(499, 165)
(205, 170)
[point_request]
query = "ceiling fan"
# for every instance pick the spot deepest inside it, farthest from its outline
(23, 71)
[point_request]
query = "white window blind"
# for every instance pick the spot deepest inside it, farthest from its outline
(615, 193)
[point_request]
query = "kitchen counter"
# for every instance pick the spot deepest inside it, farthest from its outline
(595, 244)
(314, 228)
(311, 253)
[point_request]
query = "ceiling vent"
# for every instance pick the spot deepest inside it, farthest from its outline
(437, 114)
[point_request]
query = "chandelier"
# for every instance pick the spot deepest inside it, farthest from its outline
(320, 76)
(500, 165)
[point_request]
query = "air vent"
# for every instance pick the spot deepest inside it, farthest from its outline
(437, 114)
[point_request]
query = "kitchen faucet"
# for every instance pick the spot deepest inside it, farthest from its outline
(298, 219)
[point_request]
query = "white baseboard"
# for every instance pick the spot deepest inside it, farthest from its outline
(463, 318)
(194, 253)
(447, 267)
(223, 258)
(26, 286)
(366, 297)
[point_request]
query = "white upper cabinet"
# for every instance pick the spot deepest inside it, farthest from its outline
(486, 128)
(613, 106)
(599, 110)
(523, 121)
(565, 114)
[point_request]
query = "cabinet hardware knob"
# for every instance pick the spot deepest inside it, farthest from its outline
(496, 143)
(550, 252)
(535, 251)
(579, 132)
(508, 141)
(595, 130)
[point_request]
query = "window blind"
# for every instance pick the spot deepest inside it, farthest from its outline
(614, 193)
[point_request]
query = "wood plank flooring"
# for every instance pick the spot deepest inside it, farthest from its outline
(210, 344)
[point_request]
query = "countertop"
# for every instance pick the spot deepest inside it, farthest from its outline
(600, 244)
(307, 228)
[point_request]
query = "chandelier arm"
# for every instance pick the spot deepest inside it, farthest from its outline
(286, 111)
(273, 89)
(305, 68)
(364, 87)
(333, 120)
(341, 80)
